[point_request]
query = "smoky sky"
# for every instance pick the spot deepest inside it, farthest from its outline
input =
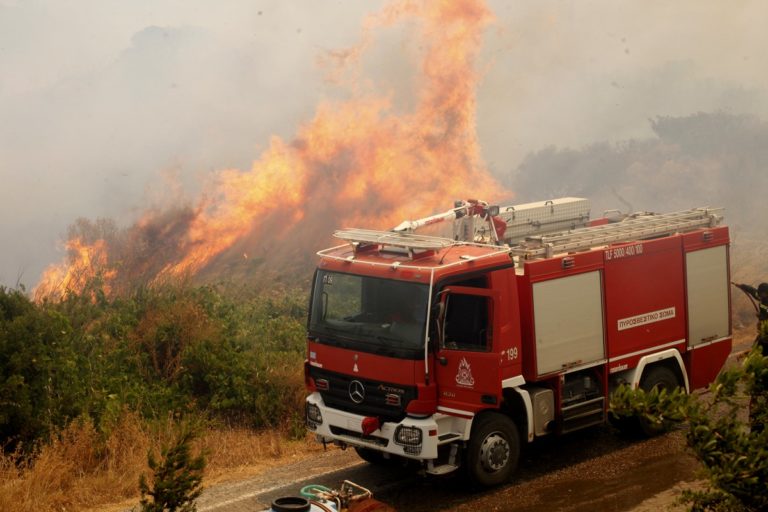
(108, 107)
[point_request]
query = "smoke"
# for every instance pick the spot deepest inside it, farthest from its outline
(97, 99)
(705, 159)
(573, 73)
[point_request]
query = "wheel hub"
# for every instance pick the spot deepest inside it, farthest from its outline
(494, 452)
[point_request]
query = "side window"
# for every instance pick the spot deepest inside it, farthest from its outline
(466, 322)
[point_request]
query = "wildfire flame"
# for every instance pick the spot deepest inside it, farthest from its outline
(84, 263)
(357, 162)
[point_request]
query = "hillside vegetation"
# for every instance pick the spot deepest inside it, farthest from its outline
(233, 357)
(90, 383)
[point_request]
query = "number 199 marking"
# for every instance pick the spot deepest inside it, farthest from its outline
(511, 353)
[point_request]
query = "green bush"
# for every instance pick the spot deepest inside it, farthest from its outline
(40, 380)
(219, 352)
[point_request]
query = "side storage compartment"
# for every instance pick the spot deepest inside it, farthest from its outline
(709, 321)
(708, 298)
(568, 322)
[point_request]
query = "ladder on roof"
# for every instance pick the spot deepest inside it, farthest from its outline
(410, 242)
(639, 227)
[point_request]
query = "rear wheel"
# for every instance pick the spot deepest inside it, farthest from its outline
(494, 449)
(660, 377)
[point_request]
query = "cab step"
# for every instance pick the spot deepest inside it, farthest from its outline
(441, 469)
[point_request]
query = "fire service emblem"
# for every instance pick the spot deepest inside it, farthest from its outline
(464, 375)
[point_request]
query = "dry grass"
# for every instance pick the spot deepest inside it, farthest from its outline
(236, 452)
(83, 469)
(78, 469)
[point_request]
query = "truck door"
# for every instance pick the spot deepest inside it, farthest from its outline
(468, 366)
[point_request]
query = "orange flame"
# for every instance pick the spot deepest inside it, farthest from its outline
(84, 263)
(355, 163)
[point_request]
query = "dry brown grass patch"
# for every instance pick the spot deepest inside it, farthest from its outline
(77, 469)
(237, 452)
(83, 469)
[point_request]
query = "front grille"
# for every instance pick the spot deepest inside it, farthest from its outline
(375, 403)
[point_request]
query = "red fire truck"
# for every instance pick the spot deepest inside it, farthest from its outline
(454, 351)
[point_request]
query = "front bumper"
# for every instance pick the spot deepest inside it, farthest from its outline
(346, 428)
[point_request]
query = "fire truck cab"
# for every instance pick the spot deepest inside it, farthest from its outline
(454, 352)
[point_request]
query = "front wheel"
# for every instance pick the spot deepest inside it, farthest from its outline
(494, 449)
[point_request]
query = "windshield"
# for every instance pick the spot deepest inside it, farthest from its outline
(368, 313)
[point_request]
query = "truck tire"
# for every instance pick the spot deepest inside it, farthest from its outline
(657, 377)
(494, 449)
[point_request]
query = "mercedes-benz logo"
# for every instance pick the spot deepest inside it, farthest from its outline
(356, 391)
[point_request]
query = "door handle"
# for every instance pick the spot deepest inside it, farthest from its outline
(443, 360)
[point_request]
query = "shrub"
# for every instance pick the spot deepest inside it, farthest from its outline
(40, 381)
(177, 476)
(221, 352)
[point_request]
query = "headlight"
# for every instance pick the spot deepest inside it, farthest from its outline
(314, 417)
(409, 438)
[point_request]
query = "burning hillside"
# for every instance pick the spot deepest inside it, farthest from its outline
(358, 162)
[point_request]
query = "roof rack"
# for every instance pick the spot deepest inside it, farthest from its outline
(412, 243)
(638, 227)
